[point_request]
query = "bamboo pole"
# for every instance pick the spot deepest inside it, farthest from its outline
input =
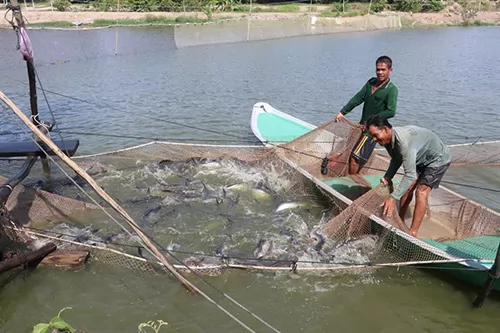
(101, 193)
(249, 20)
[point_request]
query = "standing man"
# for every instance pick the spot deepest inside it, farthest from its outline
(380, 97)
(425, 159)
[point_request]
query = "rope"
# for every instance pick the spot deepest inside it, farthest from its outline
(226, 257)
(333, 266)
(194, 287)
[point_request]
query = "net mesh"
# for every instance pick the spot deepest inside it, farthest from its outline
(450, 220)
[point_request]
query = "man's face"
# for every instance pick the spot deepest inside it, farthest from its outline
(382, 71)
(382, 136)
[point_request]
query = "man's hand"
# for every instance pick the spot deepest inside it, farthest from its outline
(339, 117)
(386, 182)
(364, 128)
(389, 205)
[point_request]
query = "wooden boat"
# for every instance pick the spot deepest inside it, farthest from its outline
(467, 259)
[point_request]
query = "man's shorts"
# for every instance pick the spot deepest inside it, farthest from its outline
(363, 148)
(431, 176)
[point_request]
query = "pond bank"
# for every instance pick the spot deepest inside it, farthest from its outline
(195, 28)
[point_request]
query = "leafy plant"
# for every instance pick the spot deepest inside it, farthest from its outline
(151, 326)
(57, 325)
(62, 5)
(379, 5)
(414, 6)
(433, 6)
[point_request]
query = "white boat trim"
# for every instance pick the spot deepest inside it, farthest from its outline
(262, 107)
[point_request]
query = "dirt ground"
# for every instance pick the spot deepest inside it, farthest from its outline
(451, 15)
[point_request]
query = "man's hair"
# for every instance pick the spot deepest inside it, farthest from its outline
(378, 122)
(385, 60)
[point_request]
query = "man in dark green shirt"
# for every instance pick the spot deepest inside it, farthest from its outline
(380, 97)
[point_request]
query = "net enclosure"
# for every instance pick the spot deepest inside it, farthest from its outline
(454, 227)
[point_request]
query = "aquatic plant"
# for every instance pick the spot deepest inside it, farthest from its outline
(57, 324)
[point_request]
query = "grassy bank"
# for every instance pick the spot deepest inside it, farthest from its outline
(148, 20)
(158, 20)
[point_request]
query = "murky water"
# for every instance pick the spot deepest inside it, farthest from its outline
(447, 82)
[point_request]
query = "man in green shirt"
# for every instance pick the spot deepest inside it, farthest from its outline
(425, 159)
(379, 96)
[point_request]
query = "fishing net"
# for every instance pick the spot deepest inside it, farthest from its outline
(454, 227)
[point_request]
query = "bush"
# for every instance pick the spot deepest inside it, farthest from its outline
(433, 6)
(62, 5)
(414, 6)
(379, 5)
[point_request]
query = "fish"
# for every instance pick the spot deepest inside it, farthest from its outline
(201, 160)
(141, 199)
(174, 188)
(221, 251)
(287, 233)
(363, 245)
(262, 248)
(264, 190)
(238, 187)
(152, 212)
(145, 254)
(287, 205)
(292, 205)
(173, 247)
(260, 194)
(95, 169)
(71, 232)
(320, 240)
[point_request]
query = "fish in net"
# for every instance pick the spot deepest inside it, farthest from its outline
(299, 162)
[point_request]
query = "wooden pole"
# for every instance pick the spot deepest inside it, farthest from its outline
(493, 276)
(116, 42)
(249, 19)
(32, 82)
(32, 258)
(101, 193)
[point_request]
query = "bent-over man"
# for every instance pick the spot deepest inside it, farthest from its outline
(425, 159)
(379, 96)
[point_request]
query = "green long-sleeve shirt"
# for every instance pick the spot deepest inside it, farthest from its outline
(414, 146)
(383, 102)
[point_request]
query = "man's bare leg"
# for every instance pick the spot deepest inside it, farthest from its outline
(422, 192)
(353, 165)
(406, 200)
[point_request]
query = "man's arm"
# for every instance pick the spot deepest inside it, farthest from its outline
(355, 101)
(410, 167)
(392, 103)
(393, 168)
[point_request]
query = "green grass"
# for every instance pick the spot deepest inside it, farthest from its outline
(477, 23)
(55, 24)
(347, 13)
(287, 8)
(147, 20)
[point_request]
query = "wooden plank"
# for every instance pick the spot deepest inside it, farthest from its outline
(18, 149)
(71, 259)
